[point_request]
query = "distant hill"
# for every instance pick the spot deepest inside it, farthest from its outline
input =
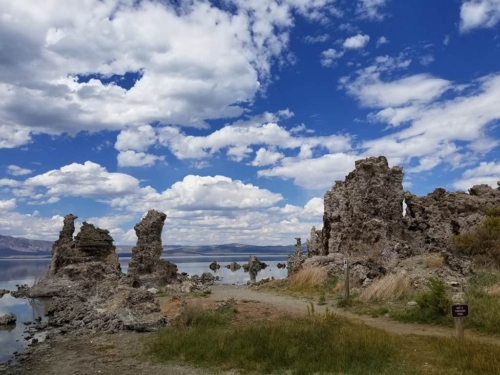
(13, 247)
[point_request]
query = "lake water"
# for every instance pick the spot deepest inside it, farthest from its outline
(26, 271)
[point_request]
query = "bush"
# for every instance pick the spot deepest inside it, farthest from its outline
(483, 243)
(436, 301)
(322, 299)
(433, 306)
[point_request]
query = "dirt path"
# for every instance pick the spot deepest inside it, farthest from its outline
(296, 306)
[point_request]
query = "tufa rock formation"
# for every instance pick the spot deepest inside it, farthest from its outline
(363, 219)
(7, 319)
(90, 294)
(89, 257)
(365, 209)
(295, 259)
(146, 268)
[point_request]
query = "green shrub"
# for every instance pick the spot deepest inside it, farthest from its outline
(433, 306)
(322, 299)
(436, 301)
(483, 243)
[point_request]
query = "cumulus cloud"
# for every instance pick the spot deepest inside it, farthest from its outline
(7, 205)
(132, 158)
(486, 173)
(265, 157)
(15, 170)
(369, 87)
(430, 129)
(237, 139)
(88, 180)
(329, 57)
(356, 42)
(200, 193)
(315, 174)
(75, 54)
(476, 14)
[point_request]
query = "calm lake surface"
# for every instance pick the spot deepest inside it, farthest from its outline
(25, 271)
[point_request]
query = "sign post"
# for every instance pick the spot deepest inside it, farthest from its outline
(346, 271)
(459, 312)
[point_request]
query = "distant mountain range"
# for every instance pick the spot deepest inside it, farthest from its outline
(16, 247)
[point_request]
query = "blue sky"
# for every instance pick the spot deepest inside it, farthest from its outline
(235, 116)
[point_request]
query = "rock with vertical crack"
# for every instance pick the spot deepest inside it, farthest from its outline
(146, 268)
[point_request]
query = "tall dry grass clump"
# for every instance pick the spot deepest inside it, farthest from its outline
(493, 290)
(435, 260)
(309, 276)
(390, 287)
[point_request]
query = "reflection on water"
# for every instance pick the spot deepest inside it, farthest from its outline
(26, 271)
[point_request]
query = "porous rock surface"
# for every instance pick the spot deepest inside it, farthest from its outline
(90, 256)
(7, 319)
(146, 268)
(90, 294)
(363, 220)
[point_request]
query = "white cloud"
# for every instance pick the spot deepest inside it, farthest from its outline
(88, 180)
(356, 42)
(15, 170)
(329, 56)
(238, 138)
(431, 131)
(370, 88)
(486, 173)
(139, 139)
(7, 205)
(479, 14)
(265, 157)
(371, 9)
(9, 182)
(131, 158)
(316, 39)
(68, 47)
(426, 60)
(381, 41)
(314, 174)
(446, 40)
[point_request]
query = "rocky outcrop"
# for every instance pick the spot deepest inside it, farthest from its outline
(7, 319)
(90, 294)
(146, 268)
(3, 292)
(90, 256)
(295, 260)
(214, 266)
(364, 210)
(363, 220)
(432, 220)
(315, 243)
(233, 266)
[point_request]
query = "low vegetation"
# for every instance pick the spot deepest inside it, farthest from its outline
(388, 288)
(483, 298)
(292, 346)
(483, 243)
(311, 282)
(433, 306)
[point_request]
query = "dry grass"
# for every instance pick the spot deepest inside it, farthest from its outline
(309, 276)
(390, 287)
(435, 261)
(493, 290)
